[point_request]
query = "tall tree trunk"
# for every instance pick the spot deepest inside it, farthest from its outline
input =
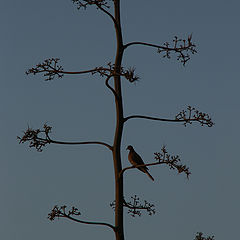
(119, 128)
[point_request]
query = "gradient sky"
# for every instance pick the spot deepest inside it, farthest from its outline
(82, 108)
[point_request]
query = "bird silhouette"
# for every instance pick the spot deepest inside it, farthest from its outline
(135, 159)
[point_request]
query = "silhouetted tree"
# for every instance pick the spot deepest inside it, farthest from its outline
(39, 138)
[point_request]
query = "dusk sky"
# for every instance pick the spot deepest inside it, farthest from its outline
(81, 108)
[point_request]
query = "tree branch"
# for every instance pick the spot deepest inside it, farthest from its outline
(107, 84)
(85, 3)
(60, 212)
(100, 4)
(186, 116)
(180, 46)
(147, 44)
(82, 143)
(109, 14)
(135, 206)
(51, 68)
(38, 142)
(91, 223)
(137, 166)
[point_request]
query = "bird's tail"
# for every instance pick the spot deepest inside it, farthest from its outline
(149, 175)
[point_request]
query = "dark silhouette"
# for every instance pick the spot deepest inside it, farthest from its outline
(136, 160)
(40, 138)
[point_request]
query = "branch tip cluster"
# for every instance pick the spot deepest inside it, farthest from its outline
(192, 114)
(58, 212)
(49, 67)
(85, 3)
(135, 207)
(180, 46)
(32, 136)
(173, 161)
(199, 236)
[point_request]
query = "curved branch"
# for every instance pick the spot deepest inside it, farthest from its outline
(152, 118)
(32, 136)
(146, 44)
(180, 46)
(107, 84)
(91, 223)
(109, 14)
(58, 212)
(80, 143)
(189, 116)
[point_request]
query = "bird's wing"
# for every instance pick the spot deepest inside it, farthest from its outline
(138, 160)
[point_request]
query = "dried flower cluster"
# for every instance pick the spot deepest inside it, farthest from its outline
(85, 3)
(33, 136)
(110, 71)
(58, 212)
(173, 162)
(180, 46)
(135, 206)
(191, 114)
(130, 75)
(199, 236)
(49, 67)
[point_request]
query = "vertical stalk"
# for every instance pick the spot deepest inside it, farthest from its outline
(119, 233)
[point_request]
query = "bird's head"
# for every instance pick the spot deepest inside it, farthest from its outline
(130, 147)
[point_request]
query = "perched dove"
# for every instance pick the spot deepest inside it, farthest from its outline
(135, 159)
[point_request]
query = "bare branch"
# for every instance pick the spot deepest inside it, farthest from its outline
(40, 138)
(107, 84)
(109, 14)
(173, 161)
(100, 4)
(186, 116)
(180, 46)
(135, 206)
(50, 68)
(60, 212)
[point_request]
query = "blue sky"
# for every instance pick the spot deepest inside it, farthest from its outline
(81, 108)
